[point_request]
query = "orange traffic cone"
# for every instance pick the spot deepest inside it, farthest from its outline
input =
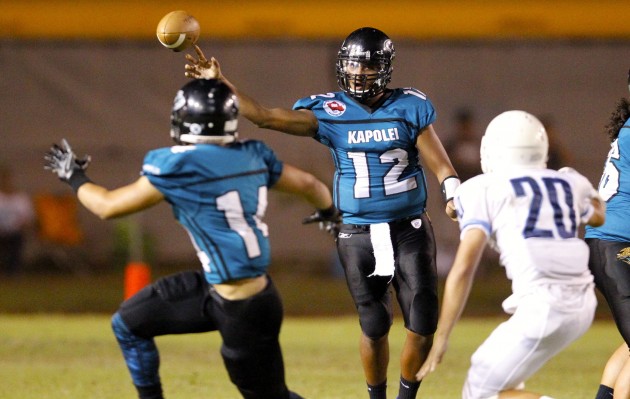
(137, 276)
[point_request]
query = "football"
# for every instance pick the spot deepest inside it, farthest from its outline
(178, 30)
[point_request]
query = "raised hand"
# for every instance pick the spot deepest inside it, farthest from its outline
(201, 67)
(62, 161)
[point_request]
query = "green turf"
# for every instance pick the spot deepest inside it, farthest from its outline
(55, 342)
(75, 356)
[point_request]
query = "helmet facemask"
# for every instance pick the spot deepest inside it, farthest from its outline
(364, 63)
(363, 85)
(202, 131)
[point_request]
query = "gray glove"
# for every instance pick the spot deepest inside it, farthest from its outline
(63, 162)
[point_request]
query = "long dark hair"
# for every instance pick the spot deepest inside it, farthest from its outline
(618, 118)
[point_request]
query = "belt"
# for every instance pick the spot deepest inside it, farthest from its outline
(366, 227)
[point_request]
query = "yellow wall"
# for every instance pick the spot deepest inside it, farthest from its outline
(308, 19)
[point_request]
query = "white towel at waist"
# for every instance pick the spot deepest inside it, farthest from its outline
(383, 249)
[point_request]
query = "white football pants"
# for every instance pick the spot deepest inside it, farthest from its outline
(544, 323)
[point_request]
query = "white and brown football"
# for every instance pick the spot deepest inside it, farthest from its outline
(178, 30)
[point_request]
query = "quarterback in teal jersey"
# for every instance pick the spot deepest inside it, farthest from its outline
(375, 153)
(610, 248)
(380, 140)
(217, 187)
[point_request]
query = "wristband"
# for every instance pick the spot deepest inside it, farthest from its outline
(449, 185)
(78, 179)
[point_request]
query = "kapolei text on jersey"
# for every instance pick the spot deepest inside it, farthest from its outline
(365, 136)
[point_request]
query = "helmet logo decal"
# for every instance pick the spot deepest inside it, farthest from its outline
(179, 101)
(389, 46)
(334, 107)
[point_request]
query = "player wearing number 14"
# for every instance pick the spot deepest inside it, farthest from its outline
(217, 187)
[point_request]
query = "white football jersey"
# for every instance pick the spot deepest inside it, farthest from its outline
(532, 217)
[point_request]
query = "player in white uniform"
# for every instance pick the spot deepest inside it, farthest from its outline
(530, 215)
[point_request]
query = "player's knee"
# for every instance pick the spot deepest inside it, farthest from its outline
(141, 354)
(120, 329)
(422, 316)
(123, 332)
(422, 342)
(375, 318)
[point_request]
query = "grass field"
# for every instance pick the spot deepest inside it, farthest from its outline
(56, 342)
(76, 356)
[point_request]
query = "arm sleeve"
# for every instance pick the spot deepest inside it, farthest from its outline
(586, 192)
(274, 165)
(423, 113)
(472, 208)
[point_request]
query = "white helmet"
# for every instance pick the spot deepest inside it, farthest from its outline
(514, 139)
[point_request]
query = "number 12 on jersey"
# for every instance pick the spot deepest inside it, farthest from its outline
(390, 181)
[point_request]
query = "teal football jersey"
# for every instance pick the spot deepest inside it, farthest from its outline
(378, 176)
(219, 195)
(614, 187)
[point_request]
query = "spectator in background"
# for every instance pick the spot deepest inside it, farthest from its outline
(463, 146)
(463, 150)
(559, 157)
(16, 217)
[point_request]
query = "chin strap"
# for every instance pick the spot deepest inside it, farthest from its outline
(449, 185)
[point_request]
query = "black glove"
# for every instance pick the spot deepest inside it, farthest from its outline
(63, 162)
(328, 219)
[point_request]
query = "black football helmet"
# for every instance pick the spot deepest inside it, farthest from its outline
(373, 49)
(204, 111)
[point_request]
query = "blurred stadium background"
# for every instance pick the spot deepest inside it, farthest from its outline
(94, 73)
